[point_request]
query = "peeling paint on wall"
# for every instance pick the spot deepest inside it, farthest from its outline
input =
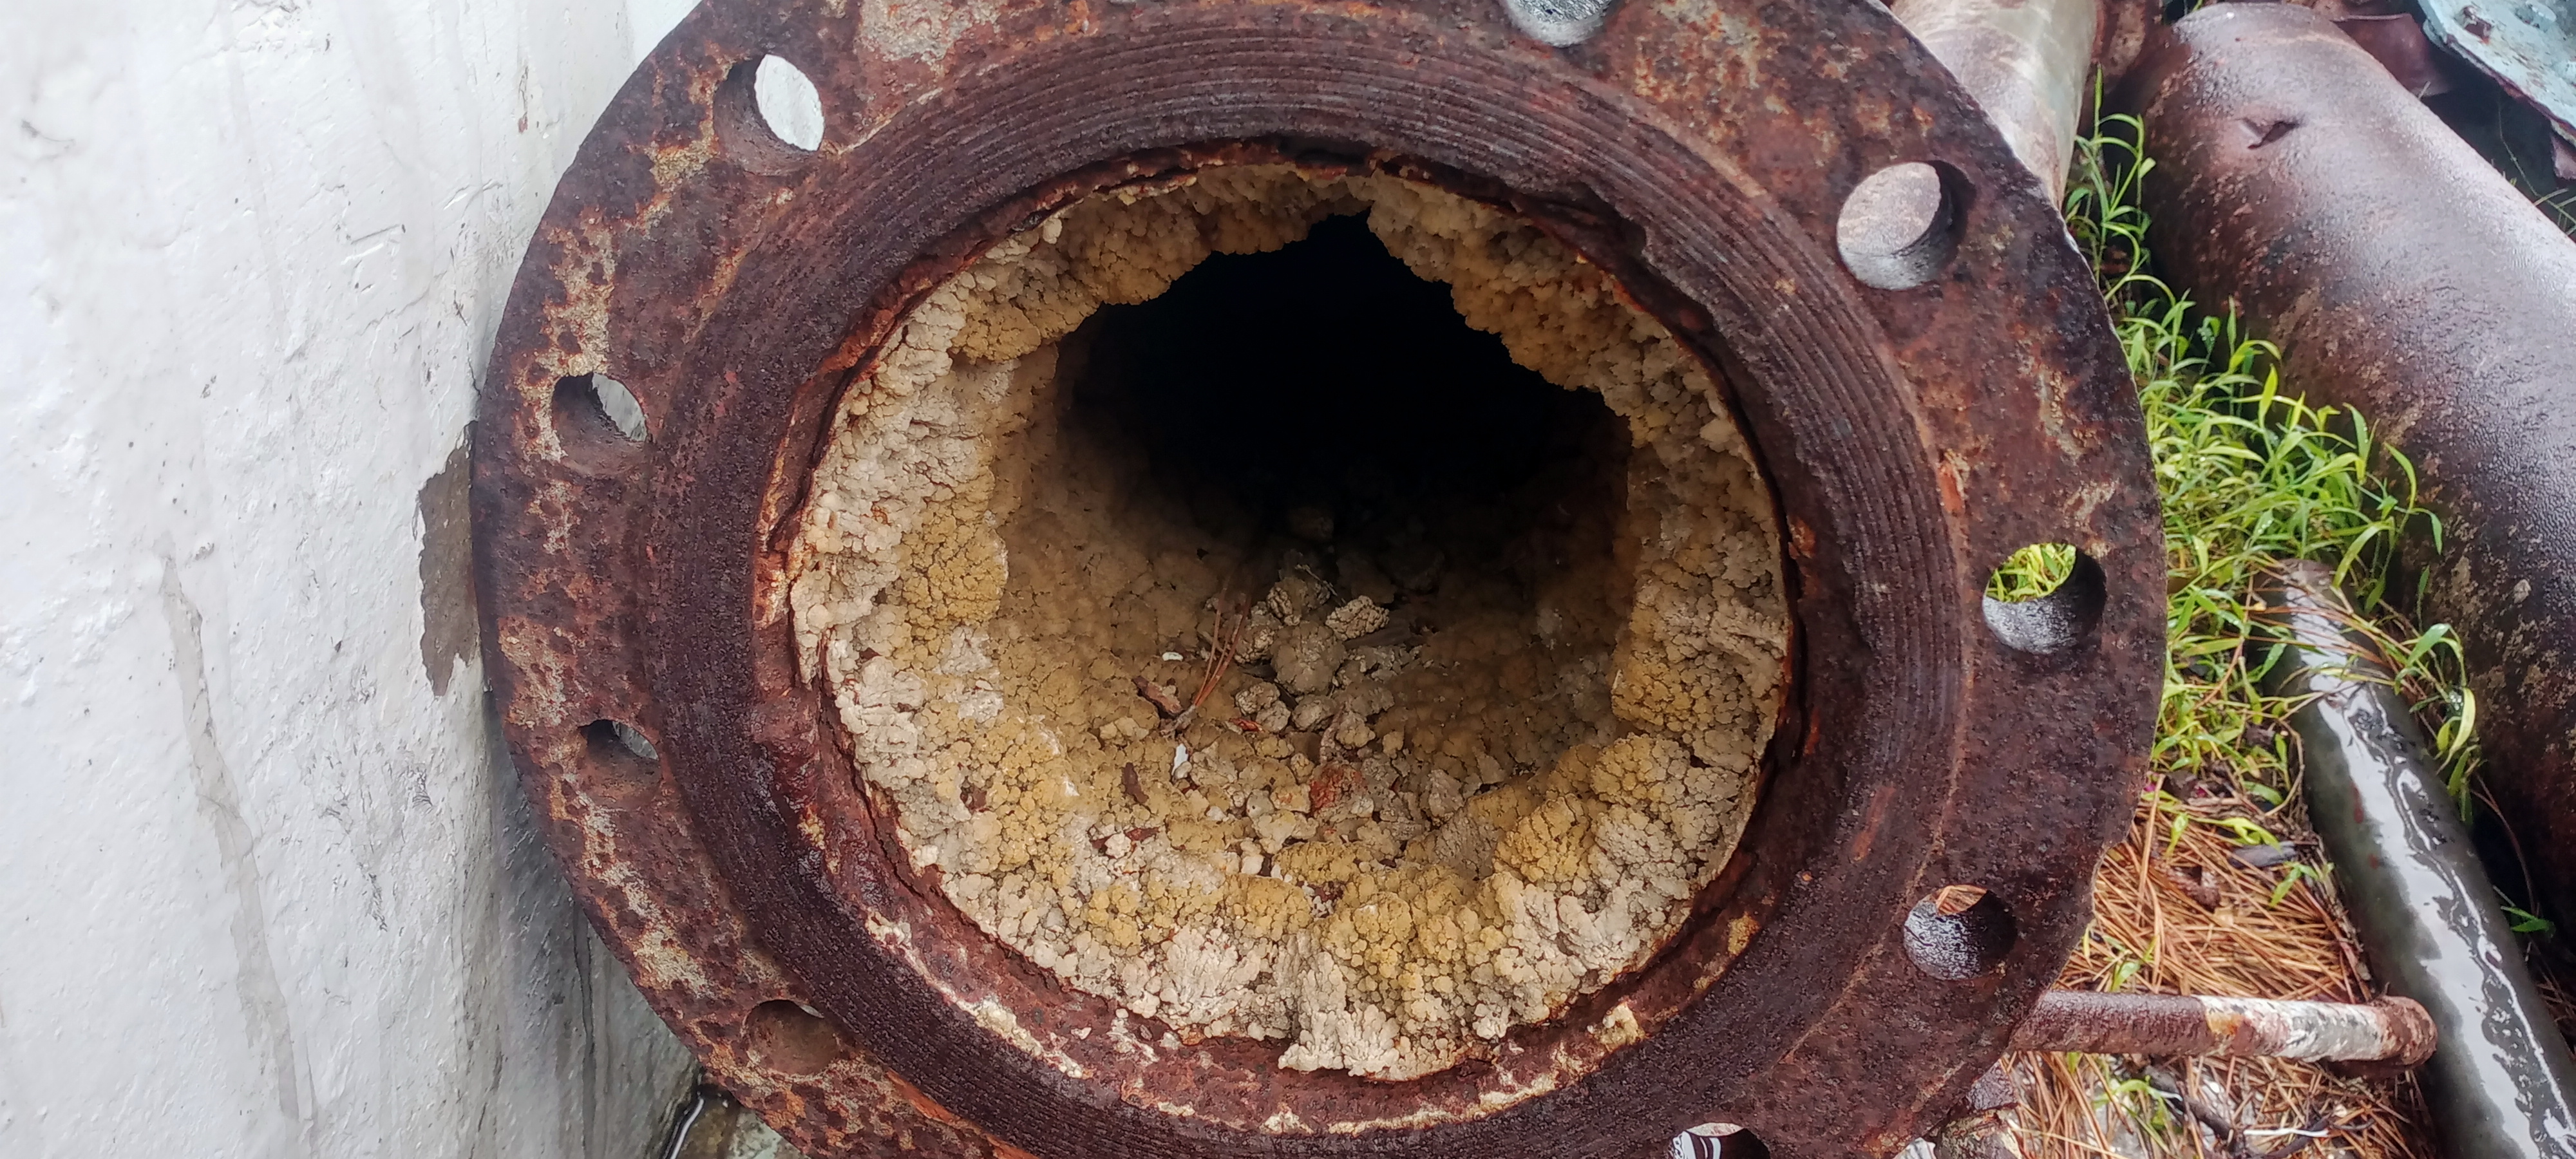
(447, 623)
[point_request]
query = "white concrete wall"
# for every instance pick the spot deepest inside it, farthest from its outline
(265, 887)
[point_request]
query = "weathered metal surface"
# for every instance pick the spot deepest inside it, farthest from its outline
(1698, 150)
(1988, 1127)
(2403, 276)
(2028, 63)
(2171, 1025)
(2501, 1086)
(2396, 40)
(2528, 46)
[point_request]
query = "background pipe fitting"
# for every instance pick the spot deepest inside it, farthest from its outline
(2028, 63)
(2400, 275)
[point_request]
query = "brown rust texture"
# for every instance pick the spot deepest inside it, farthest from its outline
(1699, 150)
(2400, 275)
(2164, 1025)
(2395, 1030)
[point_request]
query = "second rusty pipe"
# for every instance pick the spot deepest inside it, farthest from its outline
(2402, 276)
(2026, 62)
(2391, 1029)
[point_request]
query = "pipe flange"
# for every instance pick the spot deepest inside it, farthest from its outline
(1920, 410)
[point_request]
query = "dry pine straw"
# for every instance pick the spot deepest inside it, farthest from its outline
(2152, 934)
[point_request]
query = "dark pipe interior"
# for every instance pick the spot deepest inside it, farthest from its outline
(1326, 373)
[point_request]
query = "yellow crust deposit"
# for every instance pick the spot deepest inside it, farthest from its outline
(1525, 817)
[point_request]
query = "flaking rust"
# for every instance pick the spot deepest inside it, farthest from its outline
(735, 285)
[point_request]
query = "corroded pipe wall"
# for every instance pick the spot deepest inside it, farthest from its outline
(2402, 276)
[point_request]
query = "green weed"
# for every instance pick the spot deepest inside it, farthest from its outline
(2032, 572)
(2526, 922)
(2250, 475)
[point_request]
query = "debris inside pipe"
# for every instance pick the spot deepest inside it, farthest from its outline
(1344, 688)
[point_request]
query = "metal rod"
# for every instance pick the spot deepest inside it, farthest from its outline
(2169, 1025)
(2501, 1084)
(2026, 62)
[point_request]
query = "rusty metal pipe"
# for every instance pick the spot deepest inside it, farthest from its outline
(2501, 1083)
(2025, 61)
(2170, 1025)
(739, 285)
(2401, 275)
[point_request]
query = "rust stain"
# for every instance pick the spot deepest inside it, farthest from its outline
(1870, 822)
(1954, 497)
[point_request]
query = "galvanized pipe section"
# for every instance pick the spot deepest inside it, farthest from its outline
(2170, 1025)
(2026, 62)
(2500, 1086)
(2403, 276)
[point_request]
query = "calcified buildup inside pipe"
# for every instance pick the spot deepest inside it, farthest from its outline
(1279, 658)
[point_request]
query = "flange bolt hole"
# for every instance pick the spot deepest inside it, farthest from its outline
(1959, 932)
(1900, 225)
(2044, 599)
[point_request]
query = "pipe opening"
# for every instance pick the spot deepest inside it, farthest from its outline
(1321, 401)
(1299, 648)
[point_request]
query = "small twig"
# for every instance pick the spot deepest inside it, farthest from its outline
(1229, 636)
(2164, 1084)
(2195, 883)
(1953, 900)
(2478, 787)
